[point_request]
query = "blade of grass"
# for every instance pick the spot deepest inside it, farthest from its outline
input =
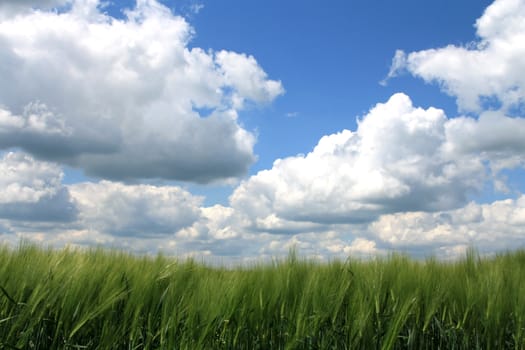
(97, 311)
(8, 296)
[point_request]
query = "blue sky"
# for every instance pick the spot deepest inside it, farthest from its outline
(330, 58)
(236, 130)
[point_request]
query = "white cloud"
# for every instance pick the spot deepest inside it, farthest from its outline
(395, 161)
(247, 78)
(134, 210)
(491, 69)
(32, 190)
(489, 227)
(125, 99)
(35, 205)
(219, 233)
(217, 222)
(402, 171)
(400, 181)
(361, 246)
(398, 65)
(499, 138)
(148, 219)
(121, 99)
(35, 3)
(37, 127)
(12, 7)
(24, 180)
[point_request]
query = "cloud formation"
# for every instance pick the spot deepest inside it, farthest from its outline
(146, 219)
(35, 204)
(400, 158)
(134, 210)
(12, 7)
(129, 99)
(124, 98)
(493, 137)
(489, 227)
(487, 73)
(33, 191)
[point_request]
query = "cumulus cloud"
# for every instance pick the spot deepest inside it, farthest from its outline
(358, 247)
(13, 7)
(485, 73)
(148, 219)
(488, 227)
(134, 210)
(398, 159)
(400, 181)
(129, 99)
(499, 139)
(34, 204)
(218, 233)
(33, 190)
(216, 222)
(123, 98)
(247, 78)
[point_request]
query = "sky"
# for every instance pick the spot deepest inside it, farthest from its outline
(234, 131)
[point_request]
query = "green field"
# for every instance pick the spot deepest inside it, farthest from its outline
(99, 299)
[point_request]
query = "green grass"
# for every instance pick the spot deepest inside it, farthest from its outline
(99, 299)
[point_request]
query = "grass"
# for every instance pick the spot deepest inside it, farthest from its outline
(101, 299)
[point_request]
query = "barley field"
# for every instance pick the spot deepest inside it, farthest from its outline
(104, 299)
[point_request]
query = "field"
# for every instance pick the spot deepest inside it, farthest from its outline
(99, 299)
